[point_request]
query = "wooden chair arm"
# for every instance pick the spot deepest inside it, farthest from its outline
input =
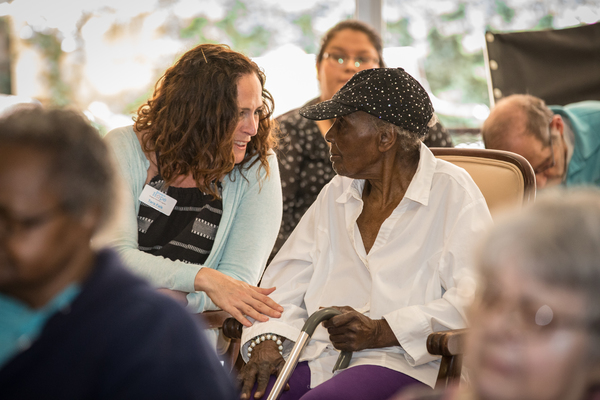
(446, 343)
(449, 345)
(232, 329)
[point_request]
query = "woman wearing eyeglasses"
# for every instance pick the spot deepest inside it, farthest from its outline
(348, 47)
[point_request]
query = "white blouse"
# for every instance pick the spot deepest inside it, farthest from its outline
(417, 275)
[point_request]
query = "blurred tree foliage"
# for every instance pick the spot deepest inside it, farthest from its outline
(254, 42)
(49, 45)
(459, 14)
(440, 29)
(195, 30)
(398, 34)
(5, 68)
(504, 11)
(450, 68)
(546, 22)
(310, 41)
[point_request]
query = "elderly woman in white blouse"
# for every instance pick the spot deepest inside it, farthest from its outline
(387, 240)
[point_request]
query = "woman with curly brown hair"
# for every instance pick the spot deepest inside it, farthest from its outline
(199, 164)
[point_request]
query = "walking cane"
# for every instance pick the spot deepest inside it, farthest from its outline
(307, 330)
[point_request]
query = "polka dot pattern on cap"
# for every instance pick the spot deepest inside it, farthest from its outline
(387, 93)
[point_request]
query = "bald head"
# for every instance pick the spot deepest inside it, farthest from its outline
(524, 125)
(513, 118)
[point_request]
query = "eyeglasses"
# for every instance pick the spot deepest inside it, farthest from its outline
(531, 321)
(11, 225)
(340, 59)
(549, 163)
(528, 317)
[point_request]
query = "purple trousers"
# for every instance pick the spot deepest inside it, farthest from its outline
(363, 382)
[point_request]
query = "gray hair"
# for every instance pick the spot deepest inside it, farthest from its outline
(80, 166)
(409, 140)
(537, 119)
(557, 241)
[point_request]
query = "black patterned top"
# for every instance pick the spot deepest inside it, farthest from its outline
(188, 234)
(305, 167)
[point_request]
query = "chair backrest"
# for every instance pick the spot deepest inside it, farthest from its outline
(559, 66)
(505, 179)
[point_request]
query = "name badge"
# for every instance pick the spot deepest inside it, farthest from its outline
(157, 200)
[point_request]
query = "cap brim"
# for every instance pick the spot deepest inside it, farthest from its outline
(327, 110)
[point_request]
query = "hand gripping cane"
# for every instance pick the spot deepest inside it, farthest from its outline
(307, 330)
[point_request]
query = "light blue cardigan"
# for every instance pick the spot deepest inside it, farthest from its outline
(249, 225)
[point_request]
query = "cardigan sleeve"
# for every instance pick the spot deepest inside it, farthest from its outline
(255, 221)
(132, 167)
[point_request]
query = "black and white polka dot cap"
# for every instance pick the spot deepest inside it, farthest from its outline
(387, 93)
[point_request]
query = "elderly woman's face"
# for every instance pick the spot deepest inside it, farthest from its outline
(354, 149)
(38, 239)
(527, 340)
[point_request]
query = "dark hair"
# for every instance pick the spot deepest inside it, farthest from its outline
(191, 117)
(80, 166)
(354, 25)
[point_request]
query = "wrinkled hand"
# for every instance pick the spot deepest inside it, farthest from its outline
(236, 297)
(352, 331)
(265, 361)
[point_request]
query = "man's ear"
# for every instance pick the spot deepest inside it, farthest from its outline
(387, 139)
(558, 123)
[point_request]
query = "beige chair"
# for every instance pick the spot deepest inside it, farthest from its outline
(506, 180)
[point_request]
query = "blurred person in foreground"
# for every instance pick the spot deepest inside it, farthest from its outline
(203, 182)
(74, 324)
(348, 47)
(387, 241)
(535, 325)
(562, 144)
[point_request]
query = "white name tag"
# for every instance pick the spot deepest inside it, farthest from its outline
(157, 200)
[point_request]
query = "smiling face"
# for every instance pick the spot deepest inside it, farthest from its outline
(349, 43)
(527, 340)
(249, 101)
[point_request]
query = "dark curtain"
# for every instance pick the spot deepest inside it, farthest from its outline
(559, 66)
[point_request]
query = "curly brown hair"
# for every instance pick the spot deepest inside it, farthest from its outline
(190, 119)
